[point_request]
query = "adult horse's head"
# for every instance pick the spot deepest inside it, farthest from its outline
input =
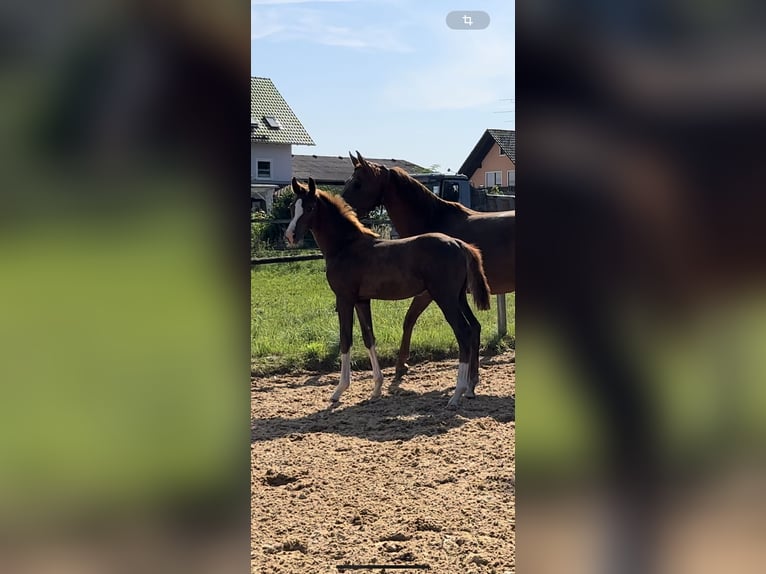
(364, 190)
(302, 211)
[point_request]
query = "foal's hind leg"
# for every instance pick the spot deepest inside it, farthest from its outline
(462, 329)
(418, 305)
(365, 322)
(475, 345)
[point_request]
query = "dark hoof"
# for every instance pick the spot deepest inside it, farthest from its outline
(401, 370)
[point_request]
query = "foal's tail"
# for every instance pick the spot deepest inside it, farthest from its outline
(477, 280)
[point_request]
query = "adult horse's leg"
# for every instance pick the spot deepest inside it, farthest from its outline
(418, 305)
(364, 314)
(346, 320)
(462, 329)
(473, 363)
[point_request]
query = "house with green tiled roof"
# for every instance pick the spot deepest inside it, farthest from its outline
(274, 129)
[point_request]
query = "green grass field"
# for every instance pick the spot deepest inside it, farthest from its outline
(294, 324)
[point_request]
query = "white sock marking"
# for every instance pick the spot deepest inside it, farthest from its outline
(345, 376)
(377, 375)
(462, 385)
(291, 228)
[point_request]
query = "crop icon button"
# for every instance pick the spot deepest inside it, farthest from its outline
(467, 20)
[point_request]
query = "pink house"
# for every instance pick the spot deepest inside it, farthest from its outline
(492, 162)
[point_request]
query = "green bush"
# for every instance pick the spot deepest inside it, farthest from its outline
(266, 230)
(280, 209)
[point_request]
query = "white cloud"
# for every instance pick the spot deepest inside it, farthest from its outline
(471, 72)
(315, 27)
(369, 37)
(265, 28)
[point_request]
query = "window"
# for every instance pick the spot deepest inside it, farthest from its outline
(511, 177)
(501, 150)
(263, 169)
(493, 178)
(272, 122)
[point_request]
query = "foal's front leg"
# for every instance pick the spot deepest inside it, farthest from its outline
(364, 314)
(346, 320)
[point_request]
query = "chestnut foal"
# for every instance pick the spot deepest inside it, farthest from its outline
(361, 267)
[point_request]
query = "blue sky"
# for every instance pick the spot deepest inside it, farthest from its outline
(388, 77)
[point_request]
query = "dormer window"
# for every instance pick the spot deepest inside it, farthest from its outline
(272, 122)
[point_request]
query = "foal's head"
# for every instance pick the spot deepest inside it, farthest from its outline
(338, 220)
(364, 190)
(302, 211)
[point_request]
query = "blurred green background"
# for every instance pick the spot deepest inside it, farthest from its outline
(124, 360)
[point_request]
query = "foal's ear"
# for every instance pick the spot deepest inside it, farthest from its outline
(312, 186)
(353, 159)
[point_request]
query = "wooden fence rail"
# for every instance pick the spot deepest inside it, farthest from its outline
(367, 222)
(286, 259)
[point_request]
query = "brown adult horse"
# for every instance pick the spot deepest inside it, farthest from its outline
(413, 209)
(360, 267)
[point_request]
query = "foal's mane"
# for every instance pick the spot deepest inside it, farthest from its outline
(344, 211)
(427, 203)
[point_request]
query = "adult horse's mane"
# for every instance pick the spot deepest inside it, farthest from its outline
(343, 212)
(428, 204)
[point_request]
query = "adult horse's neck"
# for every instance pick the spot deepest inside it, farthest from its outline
(335, 225)
(413, 209)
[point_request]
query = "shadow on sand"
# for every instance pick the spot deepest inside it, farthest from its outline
(401, 415)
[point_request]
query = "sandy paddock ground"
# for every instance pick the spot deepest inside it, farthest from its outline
(399, 480)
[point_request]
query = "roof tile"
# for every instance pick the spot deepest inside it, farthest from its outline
(506, 139)
(337, 169)
(265, 101)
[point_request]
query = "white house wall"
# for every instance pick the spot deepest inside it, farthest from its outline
(280, 156)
